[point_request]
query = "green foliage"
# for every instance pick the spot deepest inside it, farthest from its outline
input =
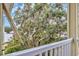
(42, 27)
(8, 29)
(13, 46)
(13, 49)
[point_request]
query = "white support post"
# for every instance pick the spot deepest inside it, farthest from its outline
(72, 27)
(77, 11)
(1, 30)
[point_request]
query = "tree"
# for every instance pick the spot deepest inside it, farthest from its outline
(40, 23)
(41, 15)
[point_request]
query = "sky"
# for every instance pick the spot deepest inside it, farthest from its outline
(16, 5)
(20, 5)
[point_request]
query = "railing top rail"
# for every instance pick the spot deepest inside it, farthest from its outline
(38, 50)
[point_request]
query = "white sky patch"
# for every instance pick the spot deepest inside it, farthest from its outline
(7, 37)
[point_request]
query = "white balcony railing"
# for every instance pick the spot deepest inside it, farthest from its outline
(61, 48)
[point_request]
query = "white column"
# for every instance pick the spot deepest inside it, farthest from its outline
(77, 11)
(72, 26)
(1, 30)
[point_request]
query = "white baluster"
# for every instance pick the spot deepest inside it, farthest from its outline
(51, 52)
(46, 53)
(59, 51)
(55, 52)
(40, 54)
(62, 50)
